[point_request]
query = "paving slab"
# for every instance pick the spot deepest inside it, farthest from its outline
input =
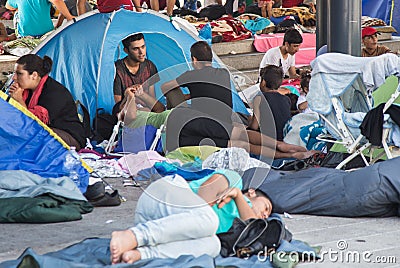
(352, 242)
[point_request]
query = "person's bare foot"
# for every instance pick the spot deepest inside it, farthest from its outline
(121, 241)
(131, 256)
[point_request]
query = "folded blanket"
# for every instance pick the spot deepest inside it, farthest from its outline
(47, 208)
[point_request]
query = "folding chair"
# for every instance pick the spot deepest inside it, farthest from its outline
(113, 142)
(341, 89)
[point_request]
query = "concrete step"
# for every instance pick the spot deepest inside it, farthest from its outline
(250, 75)
(393, 44)
(236, 47)
(243, 61)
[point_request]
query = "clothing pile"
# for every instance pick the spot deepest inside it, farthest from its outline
(231, 29)
(375, 22)
(306, 18)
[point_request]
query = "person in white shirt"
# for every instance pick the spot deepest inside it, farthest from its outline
(284, 56)
(302, 104)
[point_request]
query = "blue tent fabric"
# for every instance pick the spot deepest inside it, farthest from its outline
(85, 52)
(27, 145)
(94, 252)
(382, 9)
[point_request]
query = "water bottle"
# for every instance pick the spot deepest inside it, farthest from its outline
(72, 164)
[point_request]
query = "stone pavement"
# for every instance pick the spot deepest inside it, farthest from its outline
(346, 242)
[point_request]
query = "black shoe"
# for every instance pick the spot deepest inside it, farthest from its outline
(107, 200)
(95, 191)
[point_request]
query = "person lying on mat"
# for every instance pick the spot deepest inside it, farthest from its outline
(168, 213)
(46, 98)
(371, 191)
(135, 70)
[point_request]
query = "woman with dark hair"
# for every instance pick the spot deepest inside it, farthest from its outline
(46, 98)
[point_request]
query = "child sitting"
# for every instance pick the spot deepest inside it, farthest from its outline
(271, 108)
(302, 104)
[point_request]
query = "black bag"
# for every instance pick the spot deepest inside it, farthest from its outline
(247, 238)
(285, 25)
(84, 117)
(103, 124)
(212, 12)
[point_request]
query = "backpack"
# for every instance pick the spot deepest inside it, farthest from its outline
(247, 238)
(285, 25)
(84, 117)
(103, 125)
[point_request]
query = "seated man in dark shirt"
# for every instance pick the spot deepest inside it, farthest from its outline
(135, 71)
(271, 108)
(210, 120)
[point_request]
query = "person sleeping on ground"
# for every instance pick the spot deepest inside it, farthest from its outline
(372, 191)
(252, 141)
(47, 99)
(168, 213)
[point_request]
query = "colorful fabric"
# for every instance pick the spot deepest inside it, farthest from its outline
(306, 18)
(189, 171)
(231, 29)
(257, 25)
(303, 130)
(133, 163)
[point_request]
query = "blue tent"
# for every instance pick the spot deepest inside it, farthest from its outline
(28, 144)
(386, 10)
(84, 53)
